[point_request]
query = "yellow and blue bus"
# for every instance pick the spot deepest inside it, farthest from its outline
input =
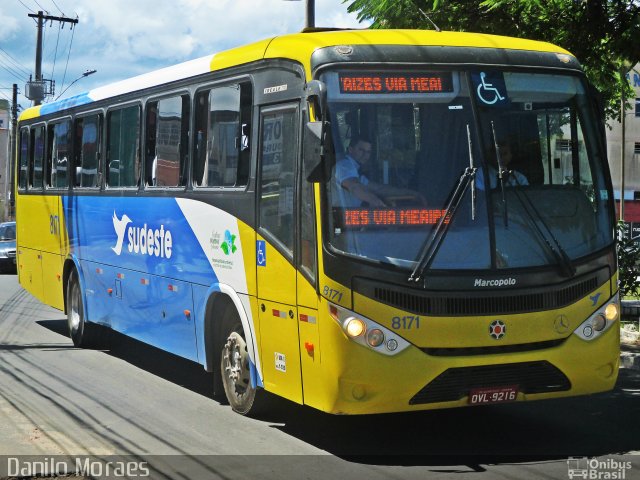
(210, 209)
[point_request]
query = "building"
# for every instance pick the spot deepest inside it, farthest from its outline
(631, 194)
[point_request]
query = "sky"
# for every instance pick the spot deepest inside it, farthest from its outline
(124, 38)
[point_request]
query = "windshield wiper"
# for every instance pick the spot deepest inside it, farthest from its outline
(501, 174)
(548, 239)
(432, 245)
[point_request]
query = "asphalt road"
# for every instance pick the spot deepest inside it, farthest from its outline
(137, 405)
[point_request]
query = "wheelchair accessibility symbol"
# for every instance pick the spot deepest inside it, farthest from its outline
(261, 253)
(489, 87)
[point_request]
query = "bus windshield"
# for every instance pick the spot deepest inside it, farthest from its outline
(538, 194)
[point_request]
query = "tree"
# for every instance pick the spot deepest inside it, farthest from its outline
(602, 34)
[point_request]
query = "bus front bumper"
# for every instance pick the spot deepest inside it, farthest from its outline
(359, 381)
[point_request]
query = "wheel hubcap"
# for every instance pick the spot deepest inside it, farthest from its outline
(75, 311)
(236, 364)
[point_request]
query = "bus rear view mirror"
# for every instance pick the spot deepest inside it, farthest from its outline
(317, 151)
(316, 93)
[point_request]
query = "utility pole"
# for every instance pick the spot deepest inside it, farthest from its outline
(310, 16)
(9, 178)
(36, 89)
(309, 13)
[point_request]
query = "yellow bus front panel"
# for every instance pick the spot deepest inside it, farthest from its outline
(354, 379)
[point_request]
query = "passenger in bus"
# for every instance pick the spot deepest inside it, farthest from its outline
(355, 188)
(511, 178)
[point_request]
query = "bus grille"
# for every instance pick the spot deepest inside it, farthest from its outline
(462, 304)
(455, 383)
(469, 351)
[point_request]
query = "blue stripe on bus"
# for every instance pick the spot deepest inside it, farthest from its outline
(132, 251)
(141, 234)
(64, 104)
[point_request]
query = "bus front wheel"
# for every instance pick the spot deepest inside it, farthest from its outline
(244, 398)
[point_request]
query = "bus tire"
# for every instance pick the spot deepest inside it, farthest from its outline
(235, 372)
(83, 334)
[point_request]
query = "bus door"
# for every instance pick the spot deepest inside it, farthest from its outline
(275, 250)
(308, 318)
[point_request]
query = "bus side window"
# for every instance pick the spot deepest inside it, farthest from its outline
(200, 141)
(87, 157)
(36, 163)
(123, 154)
(150, 144)
(24, 159)
(59, 141)
(244, 133)
(166, 140)
(222, 147)
(223, 132)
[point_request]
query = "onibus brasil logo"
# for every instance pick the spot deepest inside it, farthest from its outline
(141, 240)
(597, 468)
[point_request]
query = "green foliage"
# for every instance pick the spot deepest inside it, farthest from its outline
(628, 263)
(602, 34)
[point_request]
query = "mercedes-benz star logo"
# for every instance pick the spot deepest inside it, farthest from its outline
(497, 329)
(561, 324)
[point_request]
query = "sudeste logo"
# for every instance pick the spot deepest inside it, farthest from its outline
(155, 242)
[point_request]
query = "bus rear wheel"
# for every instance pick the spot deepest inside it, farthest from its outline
(235, 368)
(82, 333)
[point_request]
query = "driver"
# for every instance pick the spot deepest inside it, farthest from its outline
(511, 178)
(354, 186)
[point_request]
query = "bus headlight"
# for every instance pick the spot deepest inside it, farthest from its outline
(375, 337)
(354, 327)
(366, 332)
(611, 311)
(600, 321)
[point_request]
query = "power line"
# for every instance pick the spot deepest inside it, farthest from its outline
(55, 55)
(14, 61)
(28, 8)
(59, 9)
(73, 30)
(45, 10)
(11, 70)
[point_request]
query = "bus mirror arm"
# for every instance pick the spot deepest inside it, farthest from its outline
(317, 151)
(317, 145)
(316, 92)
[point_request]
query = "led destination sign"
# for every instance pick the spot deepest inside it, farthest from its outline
(433, 82)
(388, 217)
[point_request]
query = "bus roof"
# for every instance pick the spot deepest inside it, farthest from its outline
(298, 47)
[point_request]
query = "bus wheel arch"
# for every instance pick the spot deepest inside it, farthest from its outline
(83, 333)
(231, 352)
(216, 306)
